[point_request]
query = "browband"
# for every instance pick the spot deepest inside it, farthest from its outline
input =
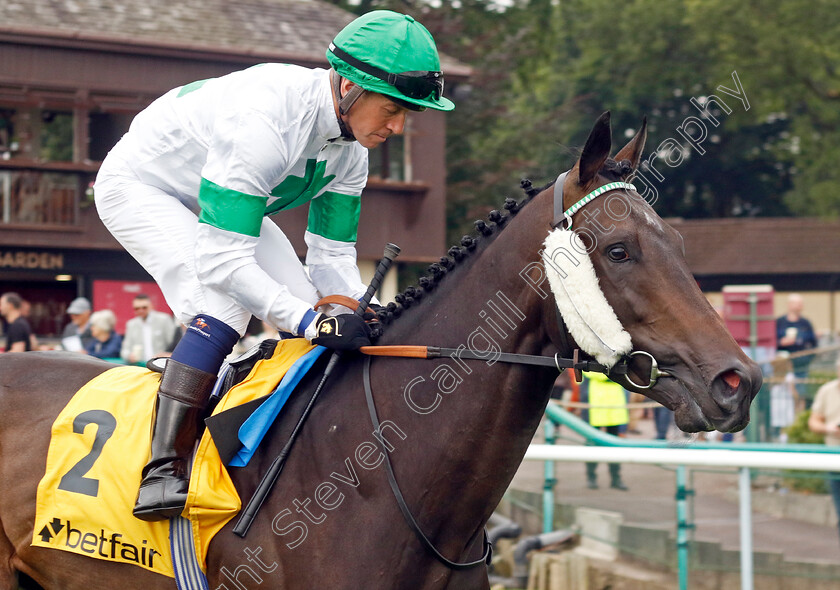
(560, 215)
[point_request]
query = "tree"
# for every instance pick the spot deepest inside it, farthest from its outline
(544, 70)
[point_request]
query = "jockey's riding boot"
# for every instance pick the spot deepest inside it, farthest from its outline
(182, 399)
(615, 478)
(591, 476)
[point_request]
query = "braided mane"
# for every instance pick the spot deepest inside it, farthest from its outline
(458, 253)
(469, 243)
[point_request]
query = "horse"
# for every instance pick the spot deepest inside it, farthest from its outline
(455, 430)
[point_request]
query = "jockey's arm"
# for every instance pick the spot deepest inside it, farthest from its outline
(225, 261)
(247, 160)
(331, 233)
(331, 245)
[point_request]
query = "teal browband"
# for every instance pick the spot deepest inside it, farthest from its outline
(560, 215)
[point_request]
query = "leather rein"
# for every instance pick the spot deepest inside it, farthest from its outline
(620, 372)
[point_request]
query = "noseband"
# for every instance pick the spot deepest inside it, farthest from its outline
(620, 372)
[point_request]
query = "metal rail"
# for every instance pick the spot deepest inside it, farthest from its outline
(744, 456)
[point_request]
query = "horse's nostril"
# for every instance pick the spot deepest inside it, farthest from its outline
(732, 379)
(727, 390)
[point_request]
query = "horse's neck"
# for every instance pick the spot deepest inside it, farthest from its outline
(487, 412)
(493, 294)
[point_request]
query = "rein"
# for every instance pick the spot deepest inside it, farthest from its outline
(486, 557)
(620, 372)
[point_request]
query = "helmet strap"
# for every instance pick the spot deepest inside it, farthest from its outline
(344, 102)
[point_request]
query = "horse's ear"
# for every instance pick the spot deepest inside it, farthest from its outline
(635, 148)
(596, 151)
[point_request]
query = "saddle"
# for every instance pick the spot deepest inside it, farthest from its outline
(99, 444)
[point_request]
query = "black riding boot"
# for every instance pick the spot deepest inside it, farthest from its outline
(182, 398)
(615, 477)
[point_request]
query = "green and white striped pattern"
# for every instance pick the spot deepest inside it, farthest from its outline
(596, 193)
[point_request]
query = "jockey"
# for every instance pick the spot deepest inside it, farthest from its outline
(187, 189)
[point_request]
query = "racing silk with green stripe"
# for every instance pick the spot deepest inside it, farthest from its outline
(250, 144)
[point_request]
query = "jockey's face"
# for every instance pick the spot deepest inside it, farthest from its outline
(373, 118)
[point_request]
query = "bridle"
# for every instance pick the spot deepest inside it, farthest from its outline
(619, 372)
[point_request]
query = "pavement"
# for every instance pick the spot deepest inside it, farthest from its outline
(650, 502)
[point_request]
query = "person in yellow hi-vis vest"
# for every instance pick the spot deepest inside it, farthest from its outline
(607, 410)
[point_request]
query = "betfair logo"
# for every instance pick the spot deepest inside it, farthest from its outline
(101, 544)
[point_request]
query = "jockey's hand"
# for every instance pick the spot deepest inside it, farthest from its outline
(346, 331)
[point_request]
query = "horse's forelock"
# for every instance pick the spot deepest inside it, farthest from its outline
(616, 170)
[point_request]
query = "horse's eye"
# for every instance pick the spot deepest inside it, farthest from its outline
(618, 254)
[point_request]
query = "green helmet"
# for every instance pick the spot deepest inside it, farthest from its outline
(392, 54)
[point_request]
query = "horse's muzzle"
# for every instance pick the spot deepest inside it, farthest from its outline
(732, 391)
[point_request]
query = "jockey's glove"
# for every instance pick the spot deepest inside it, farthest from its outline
(345, 331)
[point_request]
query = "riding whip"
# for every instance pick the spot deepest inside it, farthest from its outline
(267, 482)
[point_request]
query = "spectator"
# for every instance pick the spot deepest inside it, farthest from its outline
(825, 419)
(662, 418)
(105, 342)
(148, 334)
(18, 332)
(783, 401)
(795, 334)
(76, 336)
(26, 312)
(607, 410)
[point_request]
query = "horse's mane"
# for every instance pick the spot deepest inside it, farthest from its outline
(469, 245)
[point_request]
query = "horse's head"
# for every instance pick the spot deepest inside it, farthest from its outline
(642, 275)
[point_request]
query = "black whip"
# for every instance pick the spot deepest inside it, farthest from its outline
(267, 482)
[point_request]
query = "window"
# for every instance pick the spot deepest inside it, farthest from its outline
(55, 141)
(38, 197)
(386, 161)
(42, 135)
(45, 168)
(392, 159)
(6, 133)
(105, 130)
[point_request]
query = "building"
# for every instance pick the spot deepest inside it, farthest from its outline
(791, 254)
(74, 72)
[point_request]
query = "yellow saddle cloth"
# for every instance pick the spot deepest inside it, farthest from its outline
(99, 445)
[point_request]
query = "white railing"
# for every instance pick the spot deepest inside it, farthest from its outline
(690, 457)
(744, 460)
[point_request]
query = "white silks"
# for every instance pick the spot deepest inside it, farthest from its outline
(589, 317)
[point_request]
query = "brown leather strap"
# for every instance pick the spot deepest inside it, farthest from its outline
(407, 351)
(344, 300)
(576, 360)
(186, 384)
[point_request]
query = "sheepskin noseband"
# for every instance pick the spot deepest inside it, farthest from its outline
(588, 316)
